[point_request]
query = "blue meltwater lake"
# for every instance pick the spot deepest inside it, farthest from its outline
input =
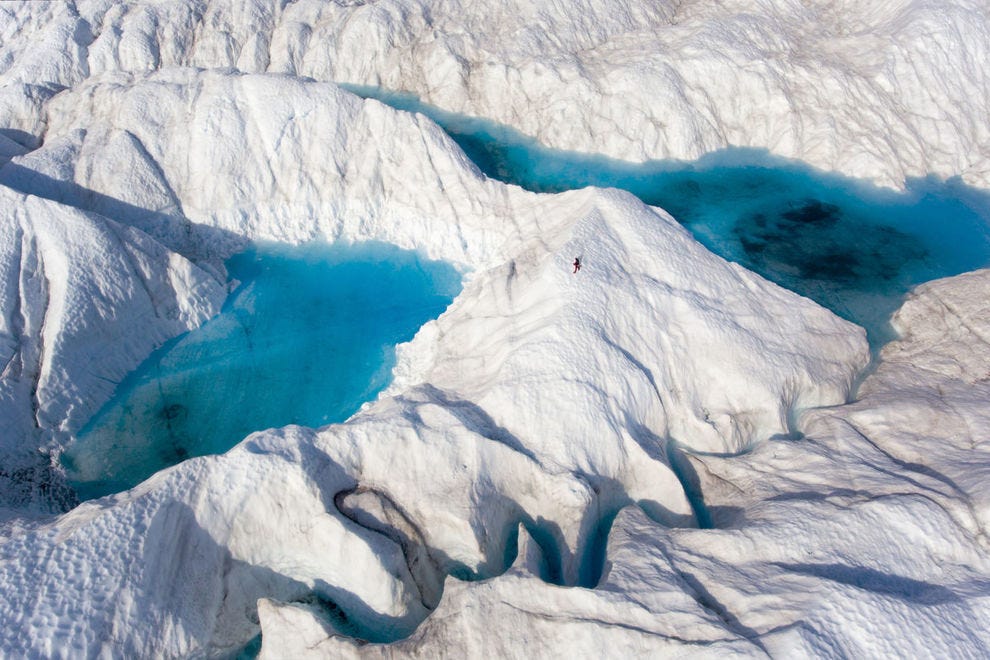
(852, 247)
(308, 336)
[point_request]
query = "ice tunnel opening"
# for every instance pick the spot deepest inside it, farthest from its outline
(852, 247)
(307, 337)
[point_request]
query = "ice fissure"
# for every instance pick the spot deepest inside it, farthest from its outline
(34, 285)
(375, 511)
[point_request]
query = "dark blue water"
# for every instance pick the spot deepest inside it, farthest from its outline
(852, 247)
(306, 338)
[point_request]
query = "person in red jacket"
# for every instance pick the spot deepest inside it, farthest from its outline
(577, 264)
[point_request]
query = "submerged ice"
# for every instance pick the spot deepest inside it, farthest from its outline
(306, 338)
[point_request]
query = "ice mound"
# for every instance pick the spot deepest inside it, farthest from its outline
(858, 539)
(183, 153)
(875, 522)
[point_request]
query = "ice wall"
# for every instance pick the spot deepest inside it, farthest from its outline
(84, 300)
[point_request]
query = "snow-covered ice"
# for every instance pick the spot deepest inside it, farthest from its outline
(881, 90)
(663, 453)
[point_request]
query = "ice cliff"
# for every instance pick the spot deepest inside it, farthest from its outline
(658, 454)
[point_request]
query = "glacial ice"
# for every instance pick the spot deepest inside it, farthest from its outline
(515, 485)
(881, 91)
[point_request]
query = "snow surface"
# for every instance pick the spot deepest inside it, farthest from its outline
(857, 541)
(581, 430)
(883, 90)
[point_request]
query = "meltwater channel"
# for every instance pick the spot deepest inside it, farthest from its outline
(852, 247)
(307, 337)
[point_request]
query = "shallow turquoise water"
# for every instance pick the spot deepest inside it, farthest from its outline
(306, 338)
(852, 247)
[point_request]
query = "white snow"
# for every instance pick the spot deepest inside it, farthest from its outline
(879, 90)
(867, 538)
(660, 386)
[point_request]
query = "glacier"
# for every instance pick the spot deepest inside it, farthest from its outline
(664, 453)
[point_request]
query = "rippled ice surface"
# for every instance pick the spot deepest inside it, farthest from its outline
(306, 338)
(849, 246)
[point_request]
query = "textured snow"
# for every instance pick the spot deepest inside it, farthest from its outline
(642, 607)
(858, 540)
(535, 478)
(892, 489)
(880, 90)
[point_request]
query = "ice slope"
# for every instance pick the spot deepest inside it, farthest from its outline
(920, 418)
(886, 497)
(541, 397)
(866, 538)
(260, 157)
(84, 300)
(880, 90)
